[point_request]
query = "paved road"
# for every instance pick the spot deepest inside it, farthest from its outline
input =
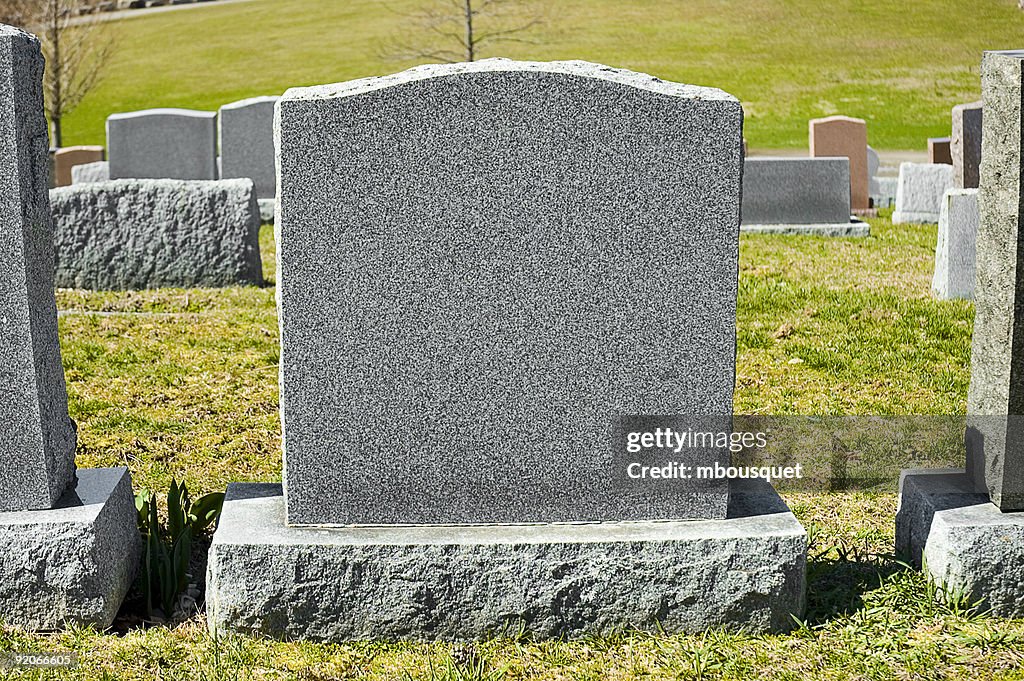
(135, 13)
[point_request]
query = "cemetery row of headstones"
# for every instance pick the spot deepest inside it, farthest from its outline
(453, 364)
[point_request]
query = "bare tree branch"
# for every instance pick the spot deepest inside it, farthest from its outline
(455, 30)
(76, 45)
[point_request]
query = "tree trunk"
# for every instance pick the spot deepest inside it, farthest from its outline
(56, 137)
(470, 56)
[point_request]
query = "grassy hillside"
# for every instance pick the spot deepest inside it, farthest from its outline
(900, 65)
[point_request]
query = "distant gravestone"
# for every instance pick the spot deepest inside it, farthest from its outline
(996, 446)
(873, 165)
(939, 150)
(37, 437)
(845, 136)
(965, 144)
(810, 192)
(247, 143)
(176, 144)
(90, 172)
(955, 247)
(919, 192)
(66, 158)
(137, 234)
(488, 272)
(70, 538)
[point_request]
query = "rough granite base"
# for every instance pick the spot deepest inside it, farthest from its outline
(72, 564)
(965, 541)
(852, 228)
(470, 581)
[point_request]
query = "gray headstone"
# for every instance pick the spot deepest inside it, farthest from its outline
(177, 144)
(954, 250)
(481, 267)
(995, 447)
(37, 437)
(135, 234)
(247, 143)
(965, 144)
(90, 172)
(781, 191)
(886, 192)
(919, 192)
(873, 164)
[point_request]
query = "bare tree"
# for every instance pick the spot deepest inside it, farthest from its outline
(458, 30)
(77, 46)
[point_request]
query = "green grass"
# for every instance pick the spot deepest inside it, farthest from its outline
(900, 65)
(184, 383)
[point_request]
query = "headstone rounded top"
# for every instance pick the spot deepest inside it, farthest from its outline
(242, 103)
(192, 113)
(832, 119)
(582, 69)
(13, 31)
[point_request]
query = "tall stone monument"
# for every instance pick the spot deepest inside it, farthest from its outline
(969, 525)
(965, 144)
(70, 542)
(845, 136)
(482, 275)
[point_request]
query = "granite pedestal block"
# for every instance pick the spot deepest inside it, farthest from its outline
(246, 131)
(137, 234)
(956, 245)
(465, 582)
(919, 192)
(72, 564)
(37, 438)
(852, 228)
(946, 524)
(90, 172)
(177, 144)
(480, 267)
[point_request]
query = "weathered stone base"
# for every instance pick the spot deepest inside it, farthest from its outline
(74, 563)
(851, 228)
(965, 541)
(465, 582)
(902, 217)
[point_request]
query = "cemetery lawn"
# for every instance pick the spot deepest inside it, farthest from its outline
(184, 384)
(899, 65)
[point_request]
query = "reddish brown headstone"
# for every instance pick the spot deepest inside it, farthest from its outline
(938, 150)
(845, 136)
(68, 157)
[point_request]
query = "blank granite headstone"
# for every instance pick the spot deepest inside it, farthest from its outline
(955, 247)
(177, 144)
(938, 150)
(810, 195)
(844, 136)
(247, 143)
(37, 437)
(965, 144)
(873, 164)
(499, 252)
(66, 158)
(485, 270)
(919, 192)
(70, 543)
(90, 172)
(137, 234)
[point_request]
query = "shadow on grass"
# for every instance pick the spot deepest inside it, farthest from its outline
(838, 577)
